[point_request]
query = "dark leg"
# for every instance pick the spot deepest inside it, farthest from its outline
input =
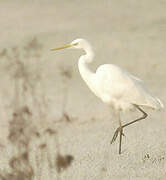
(120, 129)
(120, 139)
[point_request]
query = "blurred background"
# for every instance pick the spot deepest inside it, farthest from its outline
(52, 125)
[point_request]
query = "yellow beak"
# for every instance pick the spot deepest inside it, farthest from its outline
(62, 47)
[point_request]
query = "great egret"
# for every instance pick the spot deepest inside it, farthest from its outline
(114, 86)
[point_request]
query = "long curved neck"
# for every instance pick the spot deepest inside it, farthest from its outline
(84, 70)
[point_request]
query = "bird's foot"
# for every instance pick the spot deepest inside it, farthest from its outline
(119, 130)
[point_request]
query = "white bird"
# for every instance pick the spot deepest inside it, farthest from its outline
(114, 86)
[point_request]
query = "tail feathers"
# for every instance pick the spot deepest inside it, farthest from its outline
(161, 105)
(153, 103)
(156, 103)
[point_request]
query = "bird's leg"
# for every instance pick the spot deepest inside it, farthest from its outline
(120, 128)
(121, 132)
(141, 118)
(116, 134)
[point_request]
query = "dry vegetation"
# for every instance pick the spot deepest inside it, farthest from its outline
(35, 149)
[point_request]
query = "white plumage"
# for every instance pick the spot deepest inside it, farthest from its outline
(114, 86)
(121, 89)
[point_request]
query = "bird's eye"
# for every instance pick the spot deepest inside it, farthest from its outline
(75, 44)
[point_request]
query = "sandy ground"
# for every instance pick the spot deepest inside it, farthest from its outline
(128, 33)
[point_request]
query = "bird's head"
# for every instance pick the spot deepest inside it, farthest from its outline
(76, 44)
